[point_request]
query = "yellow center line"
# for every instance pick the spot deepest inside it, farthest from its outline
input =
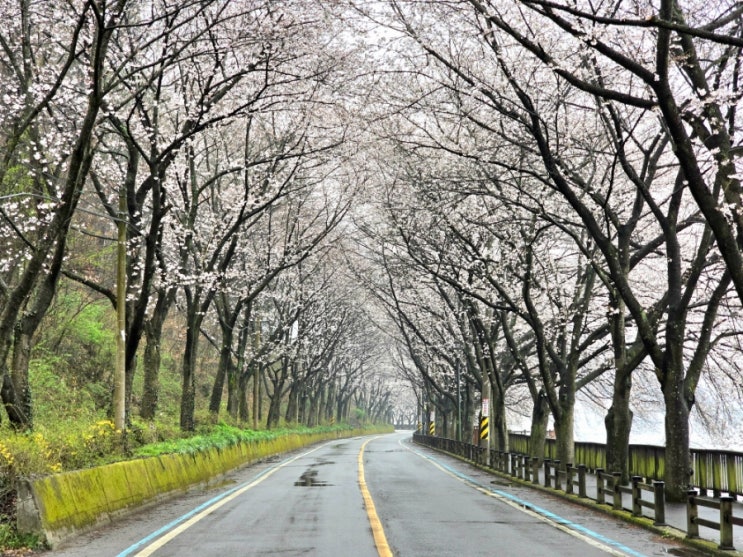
(380, 540)
(150, 549)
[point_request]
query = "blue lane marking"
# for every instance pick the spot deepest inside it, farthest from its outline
(156, 534)
(544, 512)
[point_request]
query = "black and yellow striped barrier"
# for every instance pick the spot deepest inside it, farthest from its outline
(432, 428)
(484, 428)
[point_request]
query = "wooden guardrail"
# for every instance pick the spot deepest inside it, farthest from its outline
(658, 504)
(608, 488)
(725, 524)
(554, 476)
(714, 471)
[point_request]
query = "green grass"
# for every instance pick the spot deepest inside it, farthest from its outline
(11, 539)
(77, 445)
(223, 435)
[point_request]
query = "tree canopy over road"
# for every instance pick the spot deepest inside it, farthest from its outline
(329, 205)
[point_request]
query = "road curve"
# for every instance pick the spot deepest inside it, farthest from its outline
(366, 497)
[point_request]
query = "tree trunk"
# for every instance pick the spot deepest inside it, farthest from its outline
(538, 435)
(618, 423)
(235, 390)
(151, 388)
(565, 423)
(188, 375)
(313, 410)
(153, 330)
(16, 391)
(322, 404)
(243, 408)
(499, 424)
(677, 456)
(9, 397)
(618, 420)
(274, 408)
(22, 343)
(302, 405)
(330, 401)
(225, 369)
(292, 405)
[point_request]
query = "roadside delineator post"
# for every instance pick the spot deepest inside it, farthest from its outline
(484, 428)
(485, 420)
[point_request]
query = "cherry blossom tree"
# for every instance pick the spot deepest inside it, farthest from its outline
(56, 58)
(502, 94)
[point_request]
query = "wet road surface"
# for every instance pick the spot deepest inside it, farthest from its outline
(418, 503)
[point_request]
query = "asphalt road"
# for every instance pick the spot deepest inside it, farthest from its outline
(418, 503)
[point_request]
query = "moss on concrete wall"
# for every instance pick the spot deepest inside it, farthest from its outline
(60, 505)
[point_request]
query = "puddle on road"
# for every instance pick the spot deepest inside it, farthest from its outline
(309, 479)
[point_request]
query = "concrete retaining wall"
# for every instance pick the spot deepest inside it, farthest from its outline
(61, 505)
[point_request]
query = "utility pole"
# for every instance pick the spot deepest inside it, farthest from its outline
(119, 402)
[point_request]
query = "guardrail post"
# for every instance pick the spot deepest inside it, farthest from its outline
(600, 491)
(617, 492)
(547, 472)
(582, 481)
(558, 484)
(659, 498)
(692, 513)
(535, 470)
(569, 478)
(636, 496)
(520, 467)
(514, 466)
(726, 524)
(527, 468)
